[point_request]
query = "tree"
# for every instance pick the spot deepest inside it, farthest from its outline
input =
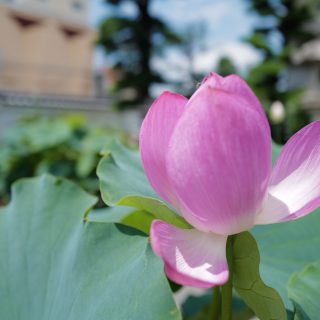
(288, 21)
(226, 66)
(193, 42)
(131, 43)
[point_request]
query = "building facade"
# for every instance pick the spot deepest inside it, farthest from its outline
(46, 47)
(304, 71)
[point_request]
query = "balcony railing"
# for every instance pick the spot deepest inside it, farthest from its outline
(25, 100)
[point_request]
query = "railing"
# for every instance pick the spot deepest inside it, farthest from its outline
(25, 100)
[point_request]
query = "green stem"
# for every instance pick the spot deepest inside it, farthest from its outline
(215, 306)
(226, 292)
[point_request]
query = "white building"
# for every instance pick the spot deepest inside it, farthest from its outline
(305, 70)
(305, 73)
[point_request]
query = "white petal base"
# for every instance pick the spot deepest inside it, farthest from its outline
(191, 257)
(294, 189)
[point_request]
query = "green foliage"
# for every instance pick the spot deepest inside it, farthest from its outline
(286, 248)
(123, 183)
(226, 66)
(265, 302)
(292, 18)
(138, 219)
(287, 20)
(55, 266)
(304, 291)
(130, 43)
(198, 308)
(34, 135)
(61, 146)
(61, 259)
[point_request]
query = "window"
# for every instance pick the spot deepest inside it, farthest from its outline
(25, 21)
(71, 32)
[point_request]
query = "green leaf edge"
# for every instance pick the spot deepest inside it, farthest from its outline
(300, 313)
(248, 282)
(158, 208)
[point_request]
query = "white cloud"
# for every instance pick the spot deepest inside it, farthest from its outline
(174, 66)
(240, 53)
(227, 22)
(212, 11)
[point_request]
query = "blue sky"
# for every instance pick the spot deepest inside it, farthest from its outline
(227, 22)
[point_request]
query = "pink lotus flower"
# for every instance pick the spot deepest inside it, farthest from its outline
(210, 158)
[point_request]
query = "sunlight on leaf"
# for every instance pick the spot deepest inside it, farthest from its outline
(128, 216)
(123, 183)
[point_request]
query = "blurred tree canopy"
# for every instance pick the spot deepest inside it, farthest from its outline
(226, 66)
(193, 42)
(132, 42)
(284, 27)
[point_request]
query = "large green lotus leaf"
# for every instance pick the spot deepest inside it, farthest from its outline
(304, 291)
(56, 266)
(109, 214)
(286, 248)
(123, 183)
